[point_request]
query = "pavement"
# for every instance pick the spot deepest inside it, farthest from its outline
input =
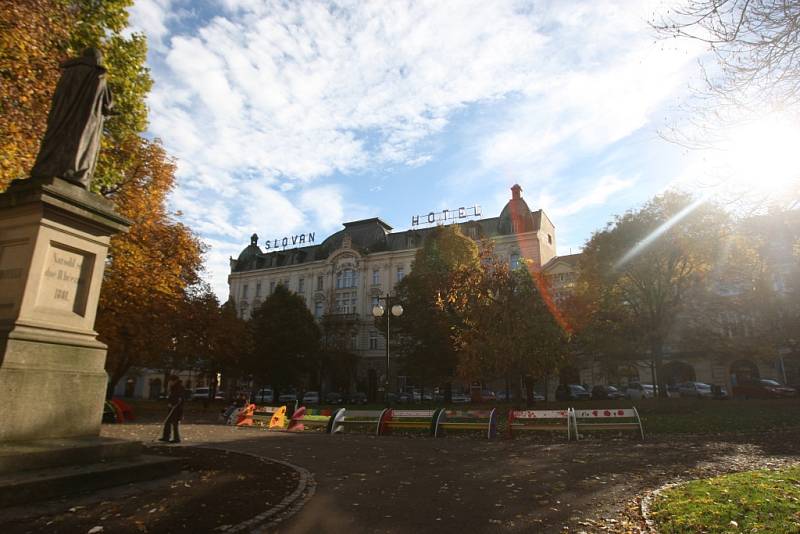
(405, 483)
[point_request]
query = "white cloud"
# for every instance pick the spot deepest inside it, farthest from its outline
(326, 203)
(267, 96)
(149, 17)
(605, 187)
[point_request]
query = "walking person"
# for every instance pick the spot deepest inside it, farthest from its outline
(176, 397)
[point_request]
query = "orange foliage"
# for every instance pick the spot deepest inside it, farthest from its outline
(33, 39)
(149, 269)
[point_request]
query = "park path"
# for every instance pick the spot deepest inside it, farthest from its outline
(397, 484)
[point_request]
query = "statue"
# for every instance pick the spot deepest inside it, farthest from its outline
(75, 124)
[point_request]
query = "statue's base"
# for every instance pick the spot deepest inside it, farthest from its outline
(54, 237)
(45, 469)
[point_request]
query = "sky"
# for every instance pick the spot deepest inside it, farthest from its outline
(294, 117)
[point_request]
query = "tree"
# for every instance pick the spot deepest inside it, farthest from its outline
(425, 329)
(286, 339)
(756, 44)
(507, 328)
(35, 36)
(209, 337)
(640, 272)
(149, 269)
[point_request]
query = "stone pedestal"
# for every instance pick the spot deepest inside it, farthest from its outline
(54, 236)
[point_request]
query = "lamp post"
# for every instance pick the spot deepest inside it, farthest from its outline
(378, 311)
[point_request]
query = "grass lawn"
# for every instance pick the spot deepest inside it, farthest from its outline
(752, 501)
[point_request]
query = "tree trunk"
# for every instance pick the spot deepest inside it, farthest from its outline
(528, 391)
(658, 355)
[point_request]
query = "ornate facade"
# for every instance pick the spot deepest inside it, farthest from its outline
(341, 278)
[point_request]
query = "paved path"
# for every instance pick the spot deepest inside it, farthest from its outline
(466, 484)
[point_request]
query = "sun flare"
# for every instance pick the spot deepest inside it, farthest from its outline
(763, 157)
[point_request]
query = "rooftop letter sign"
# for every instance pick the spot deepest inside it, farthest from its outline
(446, 216)
(295, 240)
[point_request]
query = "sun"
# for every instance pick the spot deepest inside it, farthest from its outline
(762, 157)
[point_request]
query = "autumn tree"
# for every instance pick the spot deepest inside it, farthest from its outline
(507, 328)
(209, 337)
(149, 269)
(640, 272)
(424, 331)
(35, 36)
(286, 340)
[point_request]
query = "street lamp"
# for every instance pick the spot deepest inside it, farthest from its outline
(378, 311)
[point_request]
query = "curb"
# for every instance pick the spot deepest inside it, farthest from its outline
(647, 500)
(285, 509)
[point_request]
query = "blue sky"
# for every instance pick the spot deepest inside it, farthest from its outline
(290, 117)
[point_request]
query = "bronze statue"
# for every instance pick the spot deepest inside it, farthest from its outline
(75, 124)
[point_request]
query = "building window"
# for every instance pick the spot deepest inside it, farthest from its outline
(400, 273)
(258, 289)
(345, 279)
(301, 285)
(549, 239)
(376, 277)
(514, 262)
(354, 342)
(319, 283)
(375, 302)
(244, 291)
(272, 287)
(318, 309)
(373, 340)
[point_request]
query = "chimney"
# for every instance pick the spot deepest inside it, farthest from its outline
(516, 192)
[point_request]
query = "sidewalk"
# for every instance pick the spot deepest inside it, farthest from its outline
(467, 484)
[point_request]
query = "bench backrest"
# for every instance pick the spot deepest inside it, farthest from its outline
(469, 419)
(412, 414)
(555, 418)
(606, 413)
(343, 416)
(607, 419)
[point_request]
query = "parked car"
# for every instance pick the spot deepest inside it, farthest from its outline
(404, 397)
(488, 396)
(460, 398)
(359, 397)
(202, 393)
(502, 397)
(311, 397)
(641, 391)
(287, 397)
(606, 392)
(265, 395)
(566, 392)
(334, 398)
(765, 388)
(699, 390)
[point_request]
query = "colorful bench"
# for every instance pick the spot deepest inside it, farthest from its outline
(540, 420)
(273, 417)
(606, 419)
(344, 418)
(409, 420)
(309, 417)
(483, 420)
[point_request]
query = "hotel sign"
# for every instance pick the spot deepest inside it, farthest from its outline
(445, 216)
(300, 239)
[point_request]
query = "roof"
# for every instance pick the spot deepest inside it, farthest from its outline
(369, 236)
(570, 259)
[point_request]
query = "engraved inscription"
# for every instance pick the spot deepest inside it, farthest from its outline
(64, 280)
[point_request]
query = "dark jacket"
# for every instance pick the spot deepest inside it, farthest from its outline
(177, 393)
